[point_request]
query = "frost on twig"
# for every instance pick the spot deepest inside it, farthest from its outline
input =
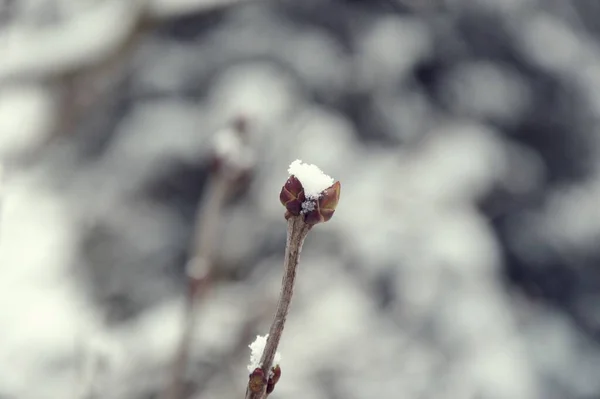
(310, 197)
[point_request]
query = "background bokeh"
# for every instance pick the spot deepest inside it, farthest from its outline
(463, 259)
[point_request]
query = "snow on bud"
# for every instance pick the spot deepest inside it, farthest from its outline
(231, 148)
(324, 207)
(258, 380)
(309, 192)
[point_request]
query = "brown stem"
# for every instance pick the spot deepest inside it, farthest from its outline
(297, 232)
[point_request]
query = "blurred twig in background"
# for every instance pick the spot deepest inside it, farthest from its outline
(231, 164)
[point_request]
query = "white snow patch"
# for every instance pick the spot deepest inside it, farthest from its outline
(256, 350)
(377, 66)
(313, 180)
(569, 47)
(26, 113)
(78, 41)
(174, 8)
(229, 146)
(241, 89)
(44, 313)
(308, 206)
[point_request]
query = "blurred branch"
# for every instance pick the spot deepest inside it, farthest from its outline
(200, 274)
(228, 172)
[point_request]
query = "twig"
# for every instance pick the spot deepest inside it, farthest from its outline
(200, 275)
(228, 169)
(296, 233)
(310, 197)
(257, 313)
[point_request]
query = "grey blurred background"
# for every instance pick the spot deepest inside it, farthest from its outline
(461, 263)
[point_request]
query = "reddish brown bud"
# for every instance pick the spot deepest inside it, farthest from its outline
(324, 206)
(270, 388)
(292, 195)
(328, 202)
(257, 381)
(275, 375)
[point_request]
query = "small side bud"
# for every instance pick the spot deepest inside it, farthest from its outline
(270, 388)
(274, 377)
(292, 195)
(257, 381)
(276, 374)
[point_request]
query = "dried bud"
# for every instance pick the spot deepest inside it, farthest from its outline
(292, 195)
(321, 209)
(257, 381)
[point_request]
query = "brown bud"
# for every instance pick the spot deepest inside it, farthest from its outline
(328, 202)
(292, 195)
(325, 205)
(257, 381)
(276, 374)
(270, 388)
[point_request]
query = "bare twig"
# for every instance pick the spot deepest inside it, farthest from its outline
(309, 198)
(257, 312)
(200, 274)
(297, 232)
(231, 148)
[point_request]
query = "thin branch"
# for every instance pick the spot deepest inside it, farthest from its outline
(200, 273)
(303, 211)
(257, 312)
(297, 232)
(228, 171)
